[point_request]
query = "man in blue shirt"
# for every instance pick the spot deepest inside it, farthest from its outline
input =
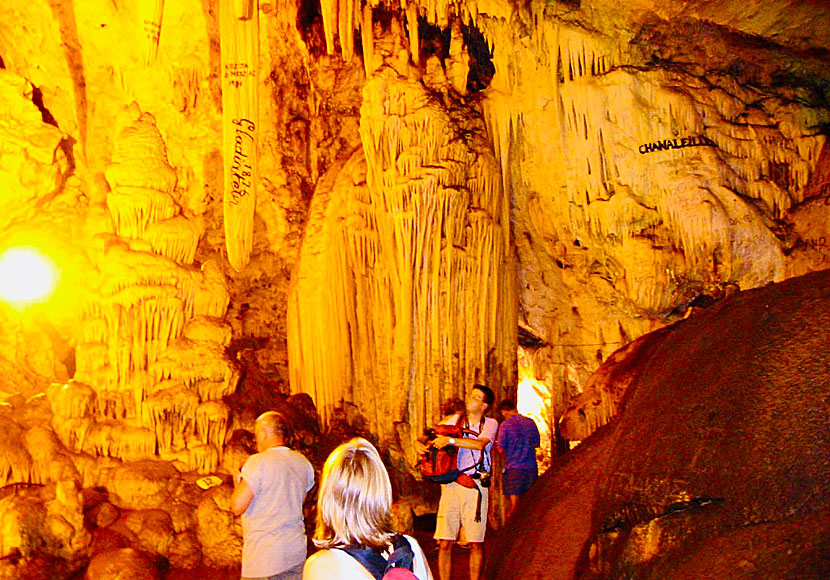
(518, 437)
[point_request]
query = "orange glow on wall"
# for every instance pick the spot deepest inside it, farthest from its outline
(27, 276)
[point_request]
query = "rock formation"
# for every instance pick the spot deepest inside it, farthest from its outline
(716, 464)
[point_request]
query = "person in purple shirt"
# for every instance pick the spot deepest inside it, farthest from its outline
(518, 438)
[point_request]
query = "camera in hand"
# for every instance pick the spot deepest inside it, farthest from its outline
(430, 434)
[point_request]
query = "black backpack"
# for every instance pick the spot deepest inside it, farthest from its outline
(398, 567)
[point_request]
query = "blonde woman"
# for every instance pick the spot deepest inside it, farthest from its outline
(354, 531)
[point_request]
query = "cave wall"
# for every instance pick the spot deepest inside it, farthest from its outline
(624, 163)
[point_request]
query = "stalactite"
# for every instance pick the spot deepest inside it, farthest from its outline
(175, 238)
(212, 423)
(168, 414)
(135, 208)
(150, 18)
(345, 28)
(240, 76)
(203, 458)
(132, 443)
(328, 11)
(15, 462)
(73, 433)
(412, 29)
(367, 40)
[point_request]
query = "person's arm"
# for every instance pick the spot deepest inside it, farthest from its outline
(242, 496)
(476, 444)
(504, 436)
(420, 447)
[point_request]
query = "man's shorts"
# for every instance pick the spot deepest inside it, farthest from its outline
(517, 481)
(458, 508)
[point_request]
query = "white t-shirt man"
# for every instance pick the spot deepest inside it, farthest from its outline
(272, 526)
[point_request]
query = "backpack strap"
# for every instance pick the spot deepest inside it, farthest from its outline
(369, 559)
(480, 464)
(402, 556)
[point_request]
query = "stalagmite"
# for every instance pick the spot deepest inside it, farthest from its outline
(137, 370)
(240, 75)
(211, 295)
(72, 400)
(139, 156)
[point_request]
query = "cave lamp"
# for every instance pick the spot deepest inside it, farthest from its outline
(27, 276)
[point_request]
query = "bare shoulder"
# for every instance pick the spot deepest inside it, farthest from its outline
(332, 564)
(321, 565)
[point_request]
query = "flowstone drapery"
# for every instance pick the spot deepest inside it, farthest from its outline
(404, 292)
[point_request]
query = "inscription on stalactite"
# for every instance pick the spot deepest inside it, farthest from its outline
(237, 71)
(243, 153)
(698, 141)
(152, 30)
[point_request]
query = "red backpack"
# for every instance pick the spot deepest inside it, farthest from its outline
(441, 465)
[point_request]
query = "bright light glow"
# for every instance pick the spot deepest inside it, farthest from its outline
(533, 400)
(27, 276)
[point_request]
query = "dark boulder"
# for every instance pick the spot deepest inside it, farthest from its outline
(717, 466)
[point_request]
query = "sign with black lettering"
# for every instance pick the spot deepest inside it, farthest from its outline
(675, 143)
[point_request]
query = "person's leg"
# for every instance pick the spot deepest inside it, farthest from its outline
(446, 527)
(476, 559)
(445, 559)
(515, 483)
(512, 502)
(475, 528)
(462, 541)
